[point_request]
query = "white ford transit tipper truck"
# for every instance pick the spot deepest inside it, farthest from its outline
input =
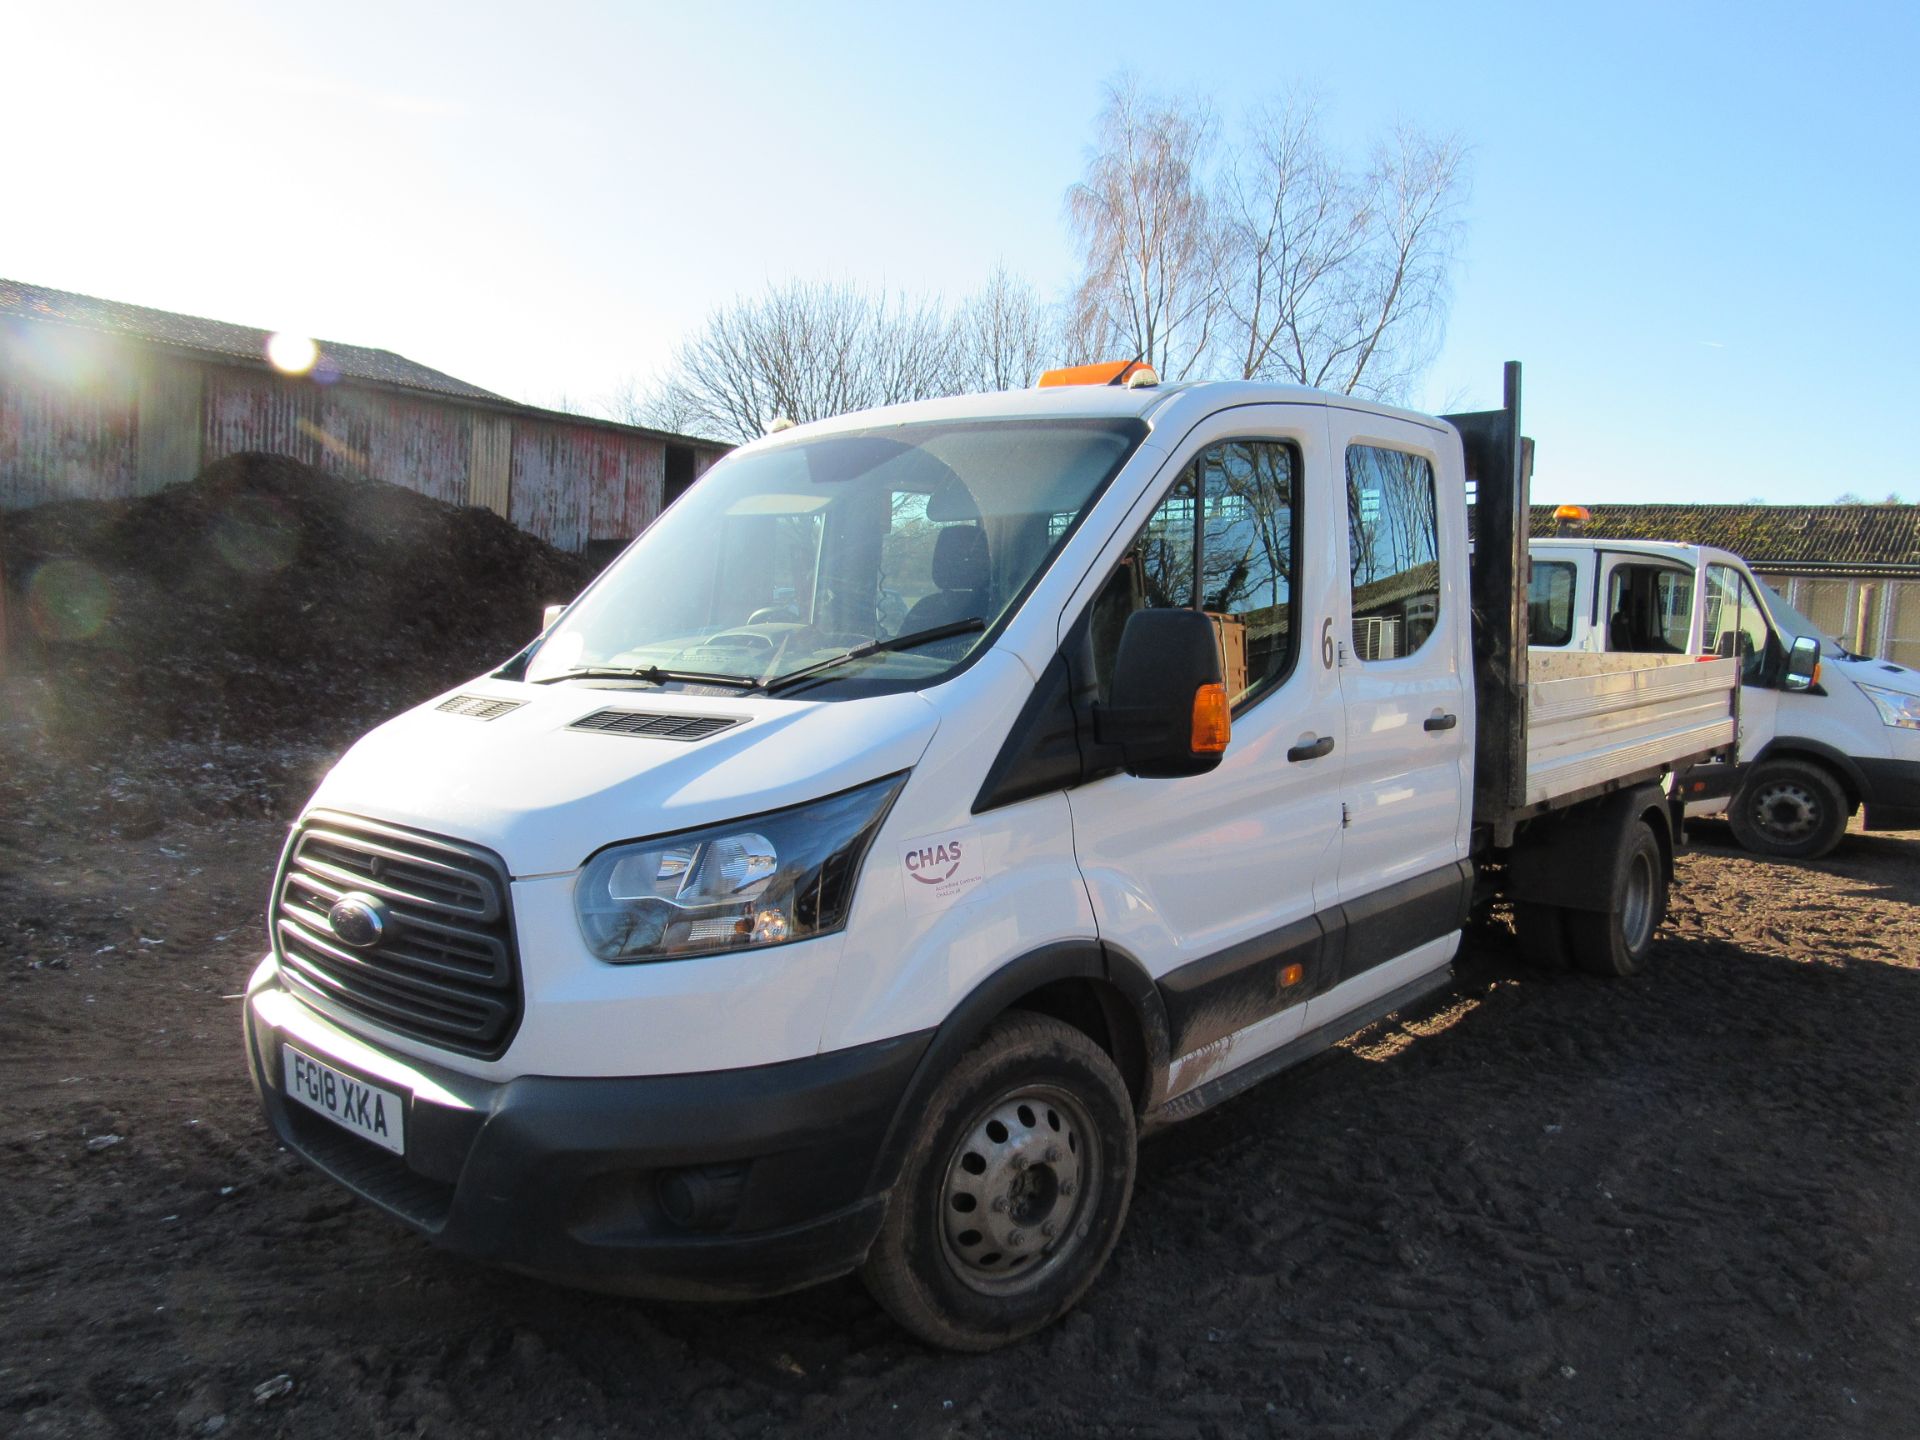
(1814, 747)
(929, 803)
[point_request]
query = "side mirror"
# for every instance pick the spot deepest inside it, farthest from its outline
(1803, 664)
(549, 615)
(1169, 714)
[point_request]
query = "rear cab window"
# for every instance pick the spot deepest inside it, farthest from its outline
(1550, 603)
(1648, 611)
(1393, 530)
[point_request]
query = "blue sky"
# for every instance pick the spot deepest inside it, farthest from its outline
(1696, 224)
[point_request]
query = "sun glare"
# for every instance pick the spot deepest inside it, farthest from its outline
(292, 354)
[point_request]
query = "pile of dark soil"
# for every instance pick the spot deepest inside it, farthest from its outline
(226, 636)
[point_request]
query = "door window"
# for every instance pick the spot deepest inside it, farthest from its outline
(1394, 549)
(1550, 603)
(1736, 625)
(1235, 507)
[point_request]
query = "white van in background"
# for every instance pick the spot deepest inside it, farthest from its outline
(1810, 755)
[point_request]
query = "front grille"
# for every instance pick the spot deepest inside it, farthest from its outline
(654, 727)
(445, 971)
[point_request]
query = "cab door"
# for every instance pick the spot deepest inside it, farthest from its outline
(1404, 667)
(1735, 625)
(1214, 883)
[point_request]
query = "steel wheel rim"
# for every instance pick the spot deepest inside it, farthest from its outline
(1018, 1190)
(1636, 911)
(1786, 811)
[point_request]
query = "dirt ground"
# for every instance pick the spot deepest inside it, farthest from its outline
(1682, 1205)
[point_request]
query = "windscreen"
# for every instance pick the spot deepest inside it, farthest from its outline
(793, 556)
(1792, 623)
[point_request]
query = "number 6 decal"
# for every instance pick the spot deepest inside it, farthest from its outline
(1326, 644)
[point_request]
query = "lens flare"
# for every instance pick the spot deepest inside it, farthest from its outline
(292, 354)
(68, 600)
(255, 536)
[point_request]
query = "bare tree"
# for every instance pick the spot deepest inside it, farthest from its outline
(1294, 226)
(1338, 280)
(1005, 335)
(1284, 265)
(1151, 282)
(805, 351)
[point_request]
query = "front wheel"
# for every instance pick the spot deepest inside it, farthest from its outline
(1789, 810)
(1014, 1189)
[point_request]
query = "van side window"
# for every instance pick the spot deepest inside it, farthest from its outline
(1550, 603)
(1394, 548)
(1236, 506)
(1649, 610)
(1736, 627)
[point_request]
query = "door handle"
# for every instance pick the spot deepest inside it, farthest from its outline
(1442, 722)
(1312, 750)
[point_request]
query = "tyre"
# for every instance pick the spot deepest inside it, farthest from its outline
(1616, 941)
(1014, 1189)
(1542, 933)
(1790, 810)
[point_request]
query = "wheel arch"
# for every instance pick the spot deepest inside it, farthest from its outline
(1102, 992)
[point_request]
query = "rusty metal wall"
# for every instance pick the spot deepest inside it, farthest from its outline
(490, 474)
(575, 483)
(67, 422)
(168, 440)
(106, 422)
(423, 446)
(252, 410)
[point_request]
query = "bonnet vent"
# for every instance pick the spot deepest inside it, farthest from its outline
(653, 726)
(478, 707)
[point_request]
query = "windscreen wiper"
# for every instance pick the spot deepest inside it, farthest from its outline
(653, 674)
(877, 647)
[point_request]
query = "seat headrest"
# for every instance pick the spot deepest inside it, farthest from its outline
(960, 558)
(951, 501)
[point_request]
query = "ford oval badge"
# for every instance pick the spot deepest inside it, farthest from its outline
(358, 920)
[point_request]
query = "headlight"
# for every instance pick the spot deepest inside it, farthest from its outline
(1895, 708)
(783, 876)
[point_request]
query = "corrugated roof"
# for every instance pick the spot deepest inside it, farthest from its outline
(1783, 537)
(218, 337)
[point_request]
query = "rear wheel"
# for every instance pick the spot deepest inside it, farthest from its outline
(1790, 810)
(1014, 1191)
(1617, 941)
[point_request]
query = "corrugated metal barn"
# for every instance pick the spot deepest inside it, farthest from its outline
(101, 400)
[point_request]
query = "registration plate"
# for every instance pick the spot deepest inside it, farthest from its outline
(364, 1109)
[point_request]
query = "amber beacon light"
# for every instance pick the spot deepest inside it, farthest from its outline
(1570, 519)
(1130, 374)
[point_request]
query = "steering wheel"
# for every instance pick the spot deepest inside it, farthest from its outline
(774, 612)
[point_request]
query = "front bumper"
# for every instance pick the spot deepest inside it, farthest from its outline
(1892, 794)
(562, 1177)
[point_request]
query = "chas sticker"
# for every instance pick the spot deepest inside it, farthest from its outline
(940, 870)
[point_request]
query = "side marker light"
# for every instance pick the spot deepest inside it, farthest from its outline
(1212, 720)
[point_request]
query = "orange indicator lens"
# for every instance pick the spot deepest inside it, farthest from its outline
(1212, 720)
